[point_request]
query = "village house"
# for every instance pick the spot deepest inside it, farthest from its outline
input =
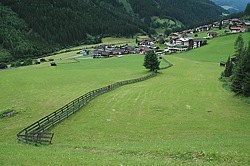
(234, 21)
(118, 51)
(182, 42)
(212, 35)
(174, 37)
(237, 29)
(130, 49)
(148, 41)
(189, 31)
(203, 28)
(216, 25)
(179, 41)
(246, 24)
(196, 43)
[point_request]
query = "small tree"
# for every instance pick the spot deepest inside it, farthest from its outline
(161, 40)
(247, 10)
(3, 66)
(246, 85)
(229, 68)
(246, 70)
(237, 81)
(151, 61)
(220, 25)
(240, 80)
(239, 47)
(167, 32)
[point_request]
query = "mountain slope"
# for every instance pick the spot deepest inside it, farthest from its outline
(188, 12)
(61, 23)
(232, 5)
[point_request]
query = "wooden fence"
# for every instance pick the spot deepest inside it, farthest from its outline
(36, 132)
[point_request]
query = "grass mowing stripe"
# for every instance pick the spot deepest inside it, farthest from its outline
(148, 123)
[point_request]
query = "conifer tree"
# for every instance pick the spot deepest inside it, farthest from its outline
(237, 80)
(151, 61)
(239, 47)
(240, 81)
(247, 10)
(238, 75)
(220, 26)
(246, 70)
(229, 68)
(246, 85)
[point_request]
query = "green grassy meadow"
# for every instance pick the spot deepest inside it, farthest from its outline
(183, 116)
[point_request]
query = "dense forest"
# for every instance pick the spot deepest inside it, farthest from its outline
(233, 6)
(187, 12)
(32, 28)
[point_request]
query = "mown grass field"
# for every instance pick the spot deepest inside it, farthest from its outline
(182, 116)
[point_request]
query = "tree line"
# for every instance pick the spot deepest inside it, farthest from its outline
(237, 70)
(187, 12)
(32, 28)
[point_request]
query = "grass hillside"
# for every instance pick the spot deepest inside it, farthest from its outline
(217, 49)
(182, 116)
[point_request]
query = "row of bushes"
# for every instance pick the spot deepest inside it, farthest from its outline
(26, 62)
(16, 64)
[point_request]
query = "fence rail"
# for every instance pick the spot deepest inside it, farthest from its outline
(36, 132)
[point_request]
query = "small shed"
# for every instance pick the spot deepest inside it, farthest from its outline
(222, 63)
(53, 64)
(42, 60)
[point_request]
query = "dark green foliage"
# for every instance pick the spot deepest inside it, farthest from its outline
(161, 40)
(246, 68)
(246, 85)
(247, 10)
(18, 63)
(240, 79)
(188, 12)
(31, 28)
(3, 66)
(237, 80)
(220, 26)
(239, 47)
(151, 61)
(68, 22)
(27, 62)
(167, 32)
(13, 64)
(229, 68)
(16, 37)
(237, 73)
(204, 42)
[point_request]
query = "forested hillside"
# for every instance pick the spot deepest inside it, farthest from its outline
(31, 28)
(188, 12)
(16, 37)
(232, 5)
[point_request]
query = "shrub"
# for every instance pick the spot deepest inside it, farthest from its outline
(3, 66)
(13, 64)
(7, 112)
(27, 62)
(42, 60)
(18, 63)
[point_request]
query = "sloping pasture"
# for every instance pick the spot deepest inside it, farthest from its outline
(181, 116)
